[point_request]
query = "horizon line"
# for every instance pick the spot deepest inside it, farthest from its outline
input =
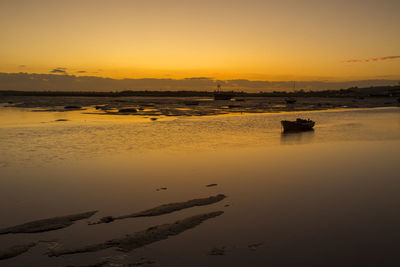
(214, 79)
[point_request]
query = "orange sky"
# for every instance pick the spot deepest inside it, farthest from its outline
(225, 39)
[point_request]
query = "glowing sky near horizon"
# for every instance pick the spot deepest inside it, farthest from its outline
(224, 39)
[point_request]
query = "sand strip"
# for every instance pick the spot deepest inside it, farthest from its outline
(15, 250)
(47, 224)
(166, 208)
(100, 264)
(142, 238)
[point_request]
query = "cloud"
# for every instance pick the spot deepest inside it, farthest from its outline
(371, 59)
(81, 71)
(21, 66)
(59, 70)
(199, 78)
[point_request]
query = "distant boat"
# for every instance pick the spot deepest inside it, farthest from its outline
(290, 100)
(222, 96)
(298, 125)
(218, 95)
(191, 103)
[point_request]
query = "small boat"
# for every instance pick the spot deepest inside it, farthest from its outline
(222, 96)
(127, 110)
(191, 103)
(290, 100)
(298, 125)
(219, 95)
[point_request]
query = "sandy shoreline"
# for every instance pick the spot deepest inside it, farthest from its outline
(192, 106)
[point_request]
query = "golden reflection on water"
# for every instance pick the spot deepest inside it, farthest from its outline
(296, 138)
(308, 197)
(14, 117)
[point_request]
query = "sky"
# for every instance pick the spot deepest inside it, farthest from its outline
(308, 40)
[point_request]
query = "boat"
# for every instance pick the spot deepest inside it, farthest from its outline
(219, 95)
(222, 96)
(298, 125)
(191, 103)
(290, 100)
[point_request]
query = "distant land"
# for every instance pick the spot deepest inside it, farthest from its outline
(373, 91)
(59, 82)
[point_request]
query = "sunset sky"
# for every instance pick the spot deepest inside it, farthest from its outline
(223, 39)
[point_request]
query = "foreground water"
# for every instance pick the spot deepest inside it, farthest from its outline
(323, 198)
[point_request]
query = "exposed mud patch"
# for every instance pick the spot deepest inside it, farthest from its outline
(143, 238)
(161, 188)
(99, 264)
(15, 250)
(217, 251)
(47, 224)
(166, 208)
(254, 246)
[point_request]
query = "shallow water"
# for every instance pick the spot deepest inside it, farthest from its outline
(327, 197)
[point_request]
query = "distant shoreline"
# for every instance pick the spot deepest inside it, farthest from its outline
(159, 104)
(377, 91)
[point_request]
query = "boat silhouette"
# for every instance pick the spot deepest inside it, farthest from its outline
(298, 125)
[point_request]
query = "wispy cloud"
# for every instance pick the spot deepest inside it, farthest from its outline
(59, 70)
(199, 78)
(59, 81)
(373, 59)
(81, 71)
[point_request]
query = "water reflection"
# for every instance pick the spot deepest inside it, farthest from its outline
(296, 138)
(283, 196)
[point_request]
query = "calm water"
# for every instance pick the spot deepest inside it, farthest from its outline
(323, 198)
